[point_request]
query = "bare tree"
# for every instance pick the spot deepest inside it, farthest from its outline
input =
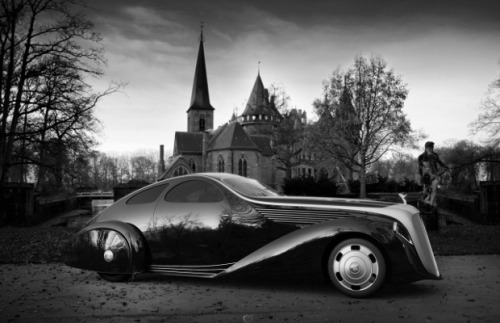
(289, 132)
(489, 119)
(288, 140)
(144, 167)
(361, 115)
(46, 51)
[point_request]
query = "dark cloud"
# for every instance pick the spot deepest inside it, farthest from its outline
(394, 18)
(463, 13)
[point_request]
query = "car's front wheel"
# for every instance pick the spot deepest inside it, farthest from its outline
(357, 267)
(115, 277)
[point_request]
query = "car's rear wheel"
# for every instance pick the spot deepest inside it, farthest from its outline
(115, 277)
(357, 267)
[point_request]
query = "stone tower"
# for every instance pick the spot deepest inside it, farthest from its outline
(260, 115)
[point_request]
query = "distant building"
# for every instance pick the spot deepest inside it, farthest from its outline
(241, 146)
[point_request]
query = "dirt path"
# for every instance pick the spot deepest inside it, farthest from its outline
(56, 293)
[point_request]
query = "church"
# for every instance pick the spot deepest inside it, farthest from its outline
(243, 145)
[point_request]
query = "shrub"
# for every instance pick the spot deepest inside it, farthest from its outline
(310, 186)
(381, 184)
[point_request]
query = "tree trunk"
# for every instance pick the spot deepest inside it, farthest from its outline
(288, 172)
(362, 181)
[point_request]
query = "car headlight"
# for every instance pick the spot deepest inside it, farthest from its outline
(401, 232)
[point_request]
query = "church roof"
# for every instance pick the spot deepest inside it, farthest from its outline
(232, 137)
(172, 164)
(200, 98)
(188, 142)
(264, 144)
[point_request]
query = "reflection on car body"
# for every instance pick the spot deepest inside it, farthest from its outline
(215, 224)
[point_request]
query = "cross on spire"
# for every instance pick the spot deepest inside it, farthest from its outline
(202, 38)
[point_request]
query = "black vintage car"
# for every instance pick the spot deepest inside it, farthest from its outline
(214, 224)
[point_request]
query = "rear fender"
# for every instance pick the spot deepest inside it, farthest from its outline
(109, 247)
(380, 232)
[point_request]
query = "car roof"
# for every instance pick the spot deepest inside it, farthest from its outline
(214, 175)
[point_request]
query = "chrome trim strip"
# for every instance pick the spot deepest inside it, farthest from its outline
(204, 271)
(226, 265)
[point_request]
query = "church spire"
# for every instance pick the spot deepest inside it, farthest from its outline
(200, 98)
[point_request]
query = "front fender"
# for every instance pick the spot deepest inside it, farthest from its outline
(307, 235)
(110, 247)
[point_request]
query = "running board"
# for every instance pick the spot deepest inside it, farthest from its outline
(205, 271)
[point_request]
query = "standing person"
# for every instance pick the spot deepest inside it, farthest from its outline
(428, 168)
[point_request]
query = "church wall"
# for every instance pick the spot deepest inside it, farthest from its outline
(194, 120)
(231, 162)
(213, 160)
(268, 171)
(254, 160)
(262, 168)
(197, 159)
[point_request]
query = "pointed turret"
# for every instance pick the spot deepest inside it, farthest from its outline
(260, 114)
(258, 100)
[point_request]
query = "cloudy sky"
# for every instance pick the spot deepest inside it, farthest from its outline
(447, 52)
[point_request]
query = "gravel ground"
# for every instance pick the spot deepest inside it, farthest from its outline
(56, 293)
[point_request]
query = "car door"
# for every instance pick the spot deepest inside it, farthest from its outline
(188, 223)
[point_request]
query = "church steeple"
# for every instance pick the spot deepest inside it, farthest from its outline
(200, 112)
(200, 98)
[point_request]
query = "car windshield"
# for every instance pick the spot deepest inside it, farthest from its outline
(250, 187)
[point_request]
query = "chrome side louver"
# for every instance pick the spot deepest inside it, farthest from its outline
(299, 215)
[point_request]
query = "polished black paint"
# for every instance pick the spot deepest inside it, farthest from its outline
(205, 237)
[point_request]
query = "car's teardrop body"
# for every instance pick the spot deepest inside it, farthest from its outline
(213, 224)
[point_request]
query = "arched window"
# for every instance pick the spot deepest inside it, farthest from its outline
(192, 164)
(202, 123)
(180, 170)
(220, 164)
(242, 166)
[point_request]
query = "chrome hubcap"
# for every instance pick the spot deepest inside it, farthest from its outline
(356, 267)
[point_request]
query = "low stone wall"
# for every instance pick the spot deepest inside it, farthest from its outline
(17, 205)
(20, 206)
(461, 204)
(46, 209)
(490, 201)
